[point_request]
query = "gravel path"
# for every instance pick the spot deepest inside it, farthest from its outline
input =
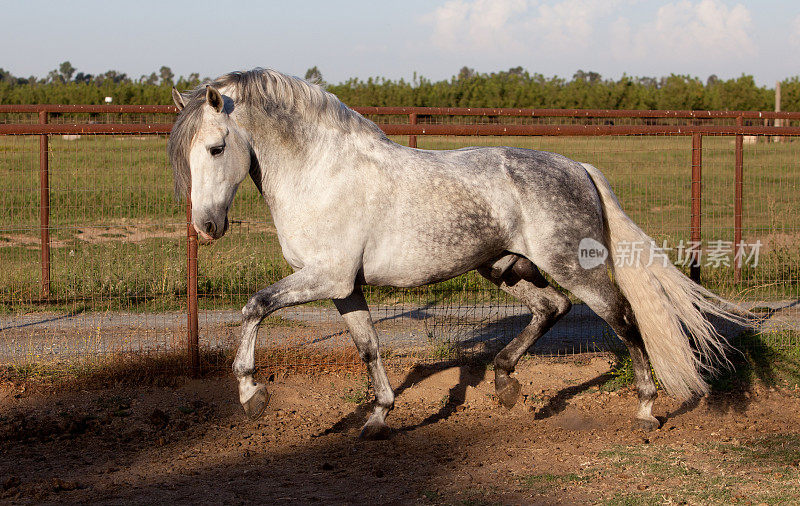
(43, 336)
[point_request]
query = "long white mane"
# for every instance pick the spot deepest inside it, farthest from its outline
(268, 91)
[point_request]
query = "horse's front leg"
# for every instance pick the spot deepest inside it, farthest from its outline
(355, 312)
(305, 285)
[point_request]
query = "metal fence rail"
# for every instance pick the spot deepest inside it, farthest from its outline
(648, 164)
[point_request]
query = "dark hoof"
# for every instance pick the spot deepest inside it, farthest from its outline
(507, 392)
(256, 405)
(375, 431)
(647, 424)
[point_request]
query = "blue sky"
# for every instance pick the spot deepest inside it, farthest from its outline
(395, 39)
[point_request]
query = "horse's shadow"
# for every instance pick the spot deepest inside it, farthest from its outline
(470, 375)
(752, 357)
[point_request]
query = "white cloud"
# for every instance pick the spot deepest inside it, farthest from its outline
(570, 22)
(630, 35)
(503, 26)
(621, 36)
(476, 24)
(686, 32)
(794, 37)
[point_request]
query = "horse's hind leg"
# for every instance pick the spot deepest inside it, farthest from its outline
(547, 305)
(620, 317)
(355, 312)
(594, 287)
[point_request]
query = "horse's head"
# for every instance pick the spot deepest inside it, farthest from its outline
(218, 156)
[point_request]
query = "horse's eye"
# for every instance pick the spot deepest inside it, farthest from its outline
(216, 150)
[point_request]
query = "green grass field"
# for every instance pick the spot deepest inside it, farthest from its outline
(118, 236)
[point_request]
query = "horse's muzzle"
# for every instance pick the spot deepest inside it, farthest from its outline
(209, 229)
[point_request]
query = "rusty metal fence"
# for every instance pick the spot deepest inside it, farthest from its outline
(98, 259)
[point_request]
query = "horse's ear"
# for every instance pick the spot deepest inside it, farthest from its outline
(214, 98)
(178, 99)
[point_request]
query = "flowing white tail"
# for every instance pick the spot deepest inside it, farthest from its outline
(670, 308)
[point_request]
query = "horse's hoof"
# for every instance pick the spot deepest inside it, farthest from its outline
(374, 431)
(507, 392)
(254, 407)
(647, 424)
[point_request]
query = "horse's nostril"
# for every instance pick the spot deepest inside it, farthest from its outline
(209, 228)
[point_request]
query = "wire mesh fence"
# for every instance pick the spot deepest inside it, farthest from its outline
(118, 253)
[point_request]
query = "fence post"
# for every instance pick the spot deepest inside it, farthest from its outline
(191, 293)
(412, 139)
(738, 180)
(44, 208)
(697, 193)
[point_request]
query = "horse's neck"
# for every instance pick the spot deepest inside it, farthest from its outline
(297, 158)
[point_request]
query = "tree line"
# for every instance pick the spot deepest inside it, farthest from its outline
(515, 87)
(66, 85)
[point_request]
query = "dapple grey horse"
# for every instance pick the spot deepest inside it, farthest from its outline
(353, 208)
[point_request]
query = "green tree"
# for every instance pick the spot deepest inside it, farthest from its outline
(790, 94)
(466, 73)
(592, 77)
(314, 75)
(54, 77)
(66, 70)
(80, 77)
(112, 76)
(166, 75)
(514, 87)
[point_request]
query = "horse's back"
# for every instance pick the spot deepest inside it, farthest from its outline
(512, 182)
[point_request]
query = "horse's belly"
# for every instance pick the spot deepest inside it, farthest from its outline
(413, 266)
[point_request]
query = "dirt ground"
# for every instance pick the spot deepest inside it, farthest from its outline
(569, 440)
